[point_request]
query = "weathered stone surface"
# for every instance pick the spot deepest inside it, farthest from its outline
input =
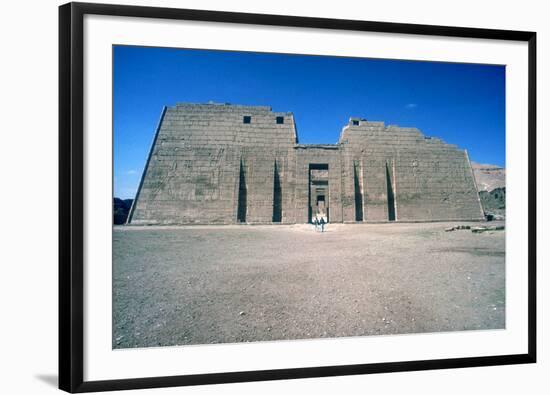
(480, 229)
(220, 163)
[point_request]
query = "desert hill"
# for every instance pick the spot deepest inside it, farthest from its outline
(489, 177)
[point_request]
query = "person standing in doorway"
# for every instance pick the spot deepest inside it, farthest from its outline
(316, 222)
(322, 224)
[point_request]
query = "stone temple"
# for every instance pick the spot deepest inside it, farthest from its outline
(229, 164)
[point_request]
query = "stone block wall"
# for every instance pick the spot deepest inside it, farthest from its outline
(428, 179)
(193, 173)
(224, 164)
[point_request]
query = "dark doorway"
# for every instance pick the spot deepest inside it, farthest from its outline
(277, 198)
(391, 197)
(241, 202)
(358, 194)
(319, 199)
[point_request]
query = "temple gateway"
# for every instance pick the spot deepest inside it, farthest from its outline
(229, 164)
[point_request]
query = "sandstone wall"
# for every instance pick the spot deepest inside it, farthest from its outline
(194, 170)
(216, 163)
(429, 179)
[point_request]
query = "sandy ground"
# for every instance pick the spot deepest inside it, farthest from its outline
(218, 284)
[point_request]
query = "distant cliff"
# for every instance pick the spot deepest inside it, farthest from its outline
(494, 202)
(489, 177)
(121, 208)
(491, 183)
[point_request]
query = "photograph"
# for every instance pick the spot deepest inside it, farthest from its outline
(261, 196)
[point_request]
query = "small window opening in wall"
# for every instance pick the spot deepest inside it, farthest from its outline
(280, 120)
(355, 122)
(247, 119)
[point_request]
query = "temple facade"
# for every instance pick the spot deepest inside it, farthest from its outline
(229, 164)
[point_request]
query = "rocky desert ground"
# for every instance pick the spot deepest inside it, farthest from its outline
(227, 284)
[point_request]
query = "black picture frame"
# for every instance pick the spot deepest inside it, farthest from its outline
(71, 205)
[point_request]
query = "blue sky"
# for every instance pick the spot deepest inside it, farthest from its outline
(464, 104)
